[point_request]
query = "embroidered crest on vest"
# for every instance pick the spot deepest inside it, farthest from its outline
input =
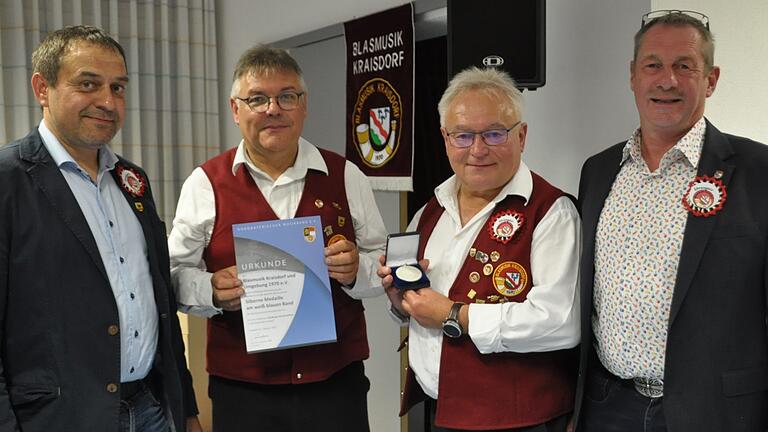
(510, 278)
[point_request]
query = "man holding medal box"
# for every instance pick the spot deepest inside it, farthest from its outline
(674, 268)
(490, 339)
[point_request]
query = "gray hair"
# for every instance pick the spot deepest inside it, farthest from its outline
(46, 59)
(489, 80)
(264, 60)
(677, 19)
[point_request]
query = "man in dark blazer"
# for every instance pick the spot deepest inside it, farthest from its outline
(674, 268)
(89, 337)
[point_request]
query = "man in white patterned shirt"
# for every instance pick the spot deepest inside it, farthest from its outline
(674, 261)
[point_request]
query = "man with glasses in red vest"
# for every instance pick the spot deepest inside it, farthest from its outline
(490, 341)
(275, 174)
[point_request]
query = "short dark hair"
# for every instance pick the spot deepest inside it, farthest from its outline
(678, 19)
(263, 59)
(46, 59)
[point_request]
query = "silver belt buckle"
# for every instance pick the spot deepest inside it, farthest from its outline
(649, 387)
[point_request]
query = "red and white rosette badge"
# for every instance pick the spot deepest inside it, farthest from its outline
(504, 226)
(705, 196)
(131, 181)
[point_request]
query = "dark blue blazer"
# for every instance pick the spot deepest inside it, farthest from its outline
(58, 355)
(716, 366)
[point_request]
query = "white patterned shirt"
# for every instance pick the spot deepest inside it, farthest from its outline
(637, 252)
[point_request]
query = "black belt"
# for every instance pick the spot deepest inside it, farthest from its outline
(130, 389)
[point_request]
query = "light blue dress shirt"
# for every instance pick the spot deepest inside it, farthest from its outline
(123, 249)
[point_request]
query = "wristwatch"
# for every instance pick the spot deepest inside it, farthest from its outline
(451, 326)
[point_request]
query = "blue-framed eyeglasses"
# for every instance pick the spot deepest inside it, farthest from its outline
(492, 137)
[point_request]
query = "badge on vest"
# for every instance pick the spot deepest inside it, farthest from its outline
(705, 196)
(510, 278)
(504, 226)
(131, 181)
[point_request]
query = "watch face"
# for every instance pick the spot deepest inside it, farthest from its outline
(451, 329)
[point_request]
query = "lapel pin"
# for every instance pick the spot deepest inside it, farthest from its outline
(705, 196)
(505, 225)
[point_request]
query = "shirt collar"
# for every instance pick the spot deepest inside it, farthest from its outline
(521, 185)
(689, 145)
(308, 157)
(107, 158)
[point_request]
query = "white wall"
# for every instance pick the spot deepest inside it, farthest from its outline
(740, 103)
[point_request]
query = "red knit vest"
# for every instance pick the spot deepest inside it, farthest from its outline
(500, 390)
(239, 200)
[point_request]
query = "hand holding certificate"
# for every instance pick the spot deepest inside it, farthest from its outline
(287, 301)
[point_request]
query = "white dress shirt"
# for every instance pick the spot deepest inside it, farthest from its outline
(547, 320)
(123, 251)
(196, 214)
(637, 251)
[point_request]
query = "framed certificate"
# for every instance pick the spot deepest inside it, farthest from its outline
(287, 301)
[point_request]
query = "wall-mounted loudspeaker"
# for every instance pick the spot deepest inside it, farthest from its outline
(506, 34)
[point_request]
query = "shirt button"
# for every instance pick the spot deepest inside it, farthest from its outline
(131, 370)
(136, 333)
(112, 388)
(111, 224)
(298, 376)
(132, 296)
(122, 260)
(113, 330)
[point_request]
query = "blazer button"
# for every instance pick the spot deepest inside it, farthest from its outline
(112, 388)
(113, 330)
(298, 376)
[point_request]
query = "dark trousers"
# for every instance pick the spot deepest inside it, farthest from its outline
(557, 424)
(338, 404)
(612, 404)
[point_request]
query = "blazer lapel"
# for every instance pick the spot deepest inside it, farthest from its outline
(592, 196)
(143, 207)
(598, 194)
(714, 155)
(54, 187)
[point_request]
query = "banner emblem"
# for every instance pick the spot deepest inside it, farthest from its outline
(377, 137)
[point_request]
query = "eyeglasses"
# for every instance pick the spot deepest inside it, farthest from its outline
(491, 137)
(259, 103)
(698, 16)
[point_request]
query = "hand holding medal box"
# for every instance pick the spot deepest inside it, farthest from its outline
(401, 256)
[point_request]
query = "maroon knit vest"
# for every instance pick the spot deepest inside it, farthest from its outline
(500, 390)
(239, 200)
